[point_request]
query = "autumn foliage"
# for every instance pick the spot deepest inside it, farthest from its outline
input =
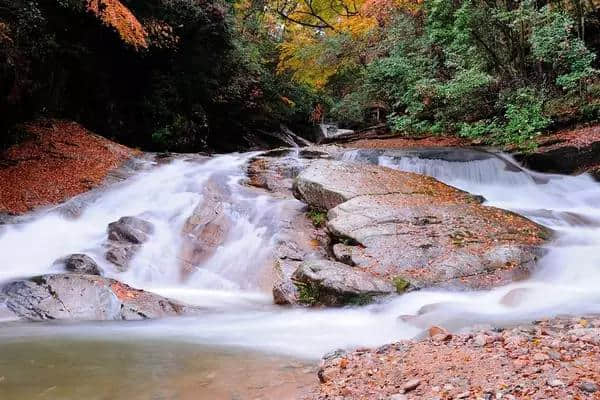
(114, 14)
(59, 160)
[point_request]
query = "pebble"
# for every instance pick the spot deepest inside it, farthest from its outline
(480, 340)
(589, 387)
(398, 397)
(540, 357)
(463, 395)
(555, 355)
(411, 385)
(436, 330)
(555, 383)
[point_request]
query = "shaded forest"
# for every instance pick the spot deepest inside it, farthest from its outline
(185, 75)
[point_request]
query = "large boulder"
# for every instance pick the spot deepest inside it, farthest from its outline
(125, 238)
(414, 229)
(84, 297)
(334, 284)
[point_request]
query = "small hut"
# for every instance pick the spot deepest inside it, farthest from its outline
(377, 112)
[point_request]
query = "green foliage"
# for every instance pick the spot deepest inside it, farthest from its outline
(317, 217)
(525, 118)
(501, 72)
(554, 43)
(401, 284)
(308, 293)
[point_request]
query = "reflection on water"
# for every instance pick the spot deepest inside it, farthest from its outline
(94, 370)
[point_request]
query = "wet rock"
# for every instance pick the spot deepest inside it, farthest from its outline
(80, 264)
(335, 284)
(85, 297)
(298, 240)
(130, 230)
(125, 238)
(206, 229)
(120, 255)
(284, 290)
(416, 228)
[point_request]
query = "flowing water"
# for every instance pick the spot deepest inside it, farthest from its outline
(244, 347)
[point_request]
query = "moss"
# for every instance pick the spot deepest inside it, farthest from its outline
(317, 217)
(544, 234)
(308, 293)
(357, 299)
(401, 284)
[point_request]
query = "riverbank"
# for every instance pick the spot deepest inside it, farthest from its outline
(58, 160)
(551, 359)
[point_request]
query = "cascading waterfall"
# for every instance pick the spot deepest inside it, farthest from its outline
(228, 284)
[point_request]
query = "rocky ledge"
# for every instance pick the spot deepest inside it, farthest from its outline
(74, 296)
(551, 359)
(393, 231)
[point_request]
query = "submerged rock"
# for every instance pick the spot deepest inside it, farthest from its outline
(334, 284)
(80, 264)
(84, 297)
(415, 228)
(125, 238)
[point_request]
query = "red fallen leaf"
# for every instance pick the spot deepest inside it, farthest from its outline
(60, 159)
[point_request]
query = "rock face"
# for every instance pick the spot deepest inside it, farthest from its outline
(80, 264)
(125, 238)
(84, 297)
(416, 230)
(332, 283)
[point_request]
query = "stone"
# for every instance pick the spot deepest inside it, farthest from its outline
(555, 383)
(413, 227)
(588, 387)
(120, 255)
(411, 385)
(206, 229)
(398, 396)
(85, 297)
(335, 284)
(125, 238)
(480, 340)
(130, 229)
(80, 264)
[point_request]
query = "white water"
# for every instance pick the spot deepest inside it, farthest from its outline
(567, 279)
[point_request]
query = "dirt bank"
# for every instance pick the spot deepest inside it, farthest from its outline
(59, 160)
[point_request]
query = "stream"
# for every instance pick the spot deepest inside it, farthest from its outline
(244, 347)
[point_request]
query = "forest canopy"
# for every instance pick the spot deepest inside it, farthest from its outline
(184, 74)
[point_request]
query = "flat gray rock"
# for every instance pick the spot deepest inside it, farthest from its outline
(84, 297)
(407, 227)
